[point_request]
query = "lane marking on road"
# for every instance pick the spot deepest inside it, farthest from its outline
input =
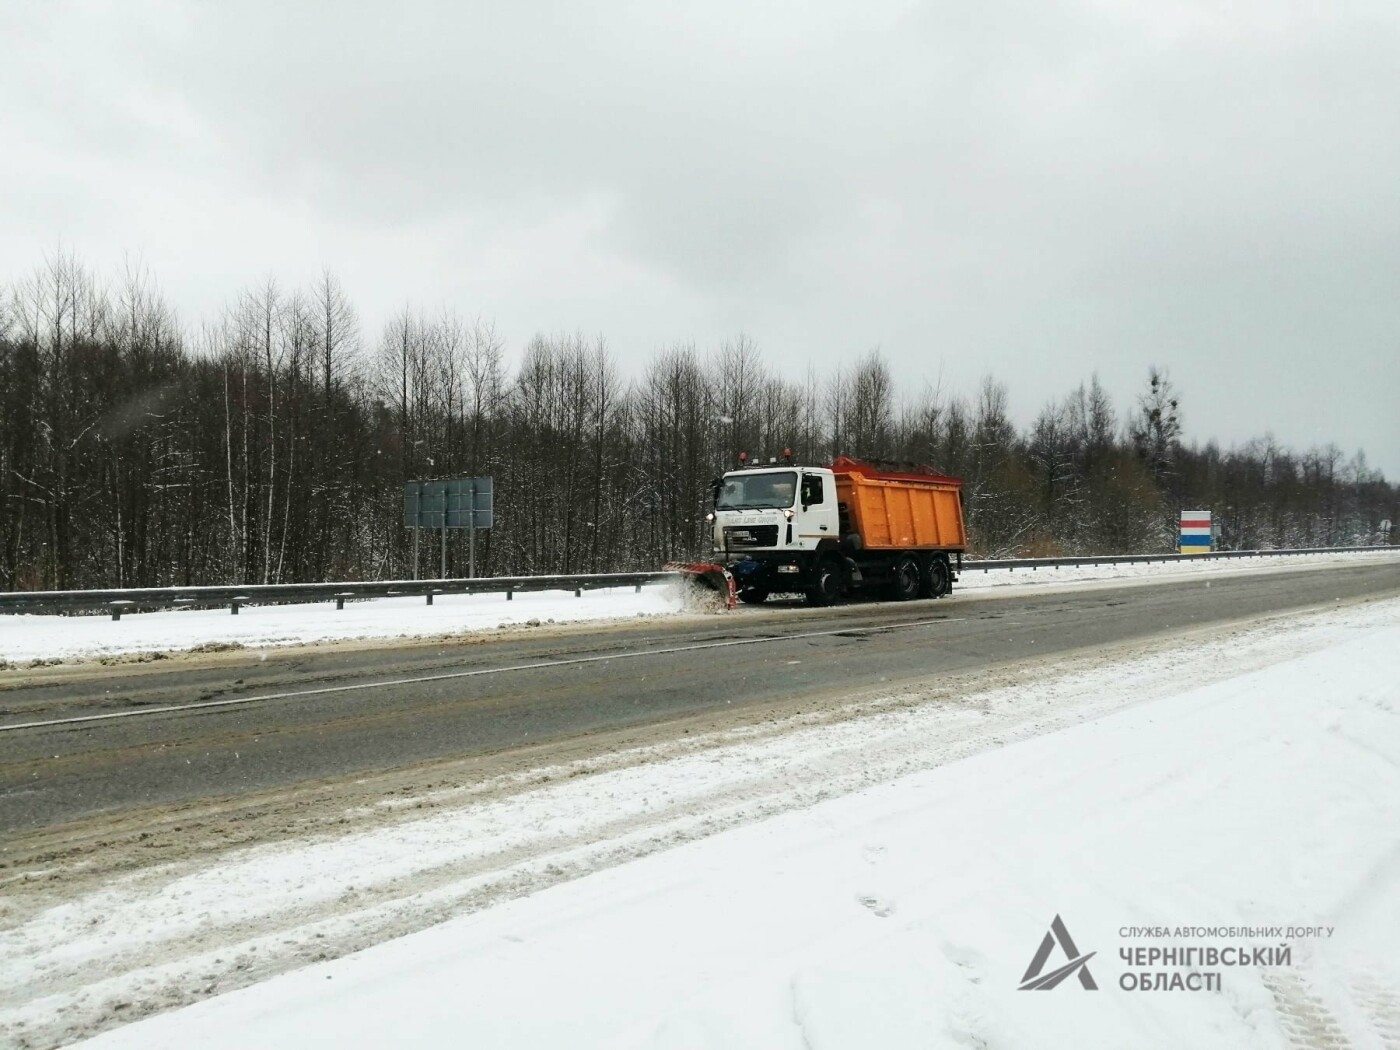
(323, 690)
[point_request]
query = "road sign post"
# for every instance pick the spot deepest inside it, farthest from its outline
(416, 503)
(452, 503)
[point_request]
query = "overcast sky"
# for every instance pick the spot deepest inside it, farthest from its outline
(1031, 190)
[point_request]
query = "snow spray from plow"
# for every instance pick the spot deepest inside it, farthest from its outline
(706, 579)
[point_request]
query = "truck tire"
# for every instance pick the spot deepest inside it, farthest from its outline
(938, 579)
(753, 595)
(828, 582)
(906, 581)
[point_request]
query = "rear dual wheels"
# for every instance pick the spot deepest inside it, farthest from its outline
(914, 577)
(937, 578)
(753, 595)
(906, 579)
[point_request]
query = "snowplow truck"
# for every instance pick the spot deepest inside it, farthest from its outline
(825, 532)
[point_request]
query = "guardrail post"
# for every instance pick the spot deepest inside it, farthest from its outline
(578, 592)
(339, 603)
(638, 589)
(233, 607)
(510, 594)
(430, 597)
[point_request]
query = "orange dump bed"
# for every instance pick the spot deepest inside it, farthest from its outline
(900, 511)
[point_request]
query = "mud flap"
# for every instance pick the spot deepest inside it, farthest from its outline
(708, 576)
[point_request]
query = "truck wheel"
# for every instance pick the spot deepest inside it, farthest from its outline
(753, 595)
(906, 579)
(938, 581)
(828, 584)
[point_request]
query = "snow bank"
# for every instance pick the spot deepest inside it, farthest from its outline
(26, 638)
(37, 637)
(907, 913)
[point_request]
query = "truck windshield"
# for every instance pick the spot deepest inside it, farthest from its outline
(752, 491)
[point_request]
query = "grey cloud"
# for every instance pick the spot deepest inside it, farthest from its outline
(1028, 189)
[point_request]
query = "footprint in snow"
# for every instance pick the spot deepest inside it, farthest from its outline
(880, 907)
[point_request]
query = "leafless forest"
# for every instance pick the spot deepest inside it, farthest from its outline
(271, 445)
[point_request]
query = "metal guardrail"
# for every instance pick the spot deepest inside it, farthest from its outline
(118, 601)
(136, 598)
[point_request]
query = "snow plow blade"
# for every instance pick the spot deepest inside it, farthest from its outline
(706, 577)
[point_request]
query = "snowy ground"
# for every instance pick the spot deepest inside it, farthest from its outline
(27, 638)
(880, 878)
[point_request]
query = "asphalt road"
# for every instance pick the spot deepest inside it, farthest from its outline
(81, 741)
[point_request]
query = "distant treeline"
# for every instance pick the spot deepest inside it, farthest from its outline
(272, 445)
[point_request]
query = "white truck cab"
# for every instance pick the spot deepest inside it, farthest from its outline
(776, 509)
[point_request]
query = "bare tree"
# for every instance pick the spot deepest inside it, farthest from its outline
(871, 408)
(1156, 429)
(264, 447)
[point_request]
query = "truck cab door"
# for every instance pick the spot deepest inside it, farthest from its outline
(817, 518)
